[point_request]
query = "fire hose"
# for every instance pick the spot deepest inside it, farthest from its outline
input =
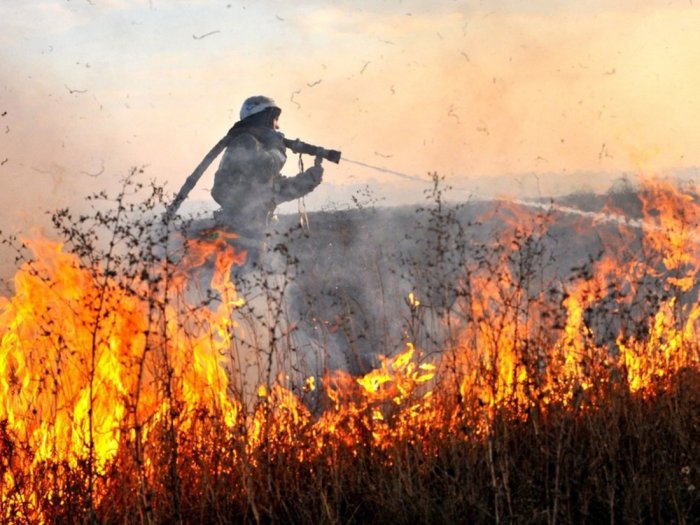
(297, 146)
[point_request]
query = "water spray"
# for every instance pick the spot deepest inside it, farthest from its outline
(297, 146)
(385, 170)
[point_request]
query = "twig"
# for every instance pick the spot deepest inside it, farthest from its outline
(291, 98)
(71, 91)
(95, 174)
(205, 34)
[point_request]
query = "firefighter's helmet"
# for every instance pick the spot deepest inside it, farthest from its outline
(256, 104)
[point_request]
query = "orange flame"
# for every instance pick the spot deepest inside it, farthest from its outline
(93, 370)
(80, 359)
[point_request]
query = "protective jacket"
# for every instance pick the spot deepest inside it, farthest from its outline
(248, 184)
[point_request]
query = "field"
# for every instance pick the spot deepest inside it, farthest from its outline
(478, 362)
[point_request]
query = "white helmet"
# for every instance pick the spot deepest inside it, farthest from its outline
(253, 105)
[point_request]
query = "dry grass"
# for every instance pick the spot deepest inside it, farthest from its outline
(534, 438)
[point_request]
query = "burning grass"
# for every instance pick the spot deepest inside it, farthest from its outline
(131, 394)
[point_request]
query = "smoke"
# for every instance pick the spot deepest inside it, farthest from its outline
(370, 279)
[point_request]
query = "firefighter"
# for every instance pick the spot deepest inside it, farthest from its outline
(248, 184)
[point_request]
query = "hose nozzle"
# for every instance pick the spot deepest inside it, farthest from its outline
(297, 146)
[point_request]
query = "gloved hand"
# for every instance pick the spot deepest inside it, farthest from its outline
(315, 173)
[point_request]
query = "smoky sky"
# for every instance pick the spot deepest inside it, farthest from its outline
(499, 97)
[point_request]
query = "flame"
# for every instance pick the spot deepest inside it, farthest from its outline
(81, 357)
(98, 373)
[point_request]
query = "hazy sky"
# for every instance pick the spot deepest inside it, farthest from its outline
(485, 93)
